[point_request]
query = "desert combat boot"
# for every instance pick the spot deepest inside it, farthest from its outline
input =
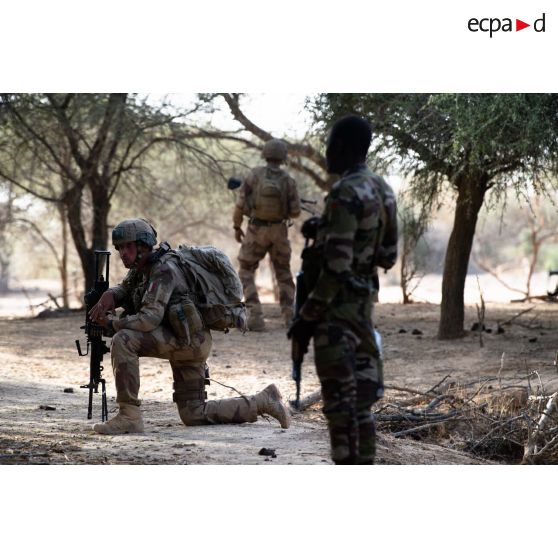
(270, 402)
(127, 421)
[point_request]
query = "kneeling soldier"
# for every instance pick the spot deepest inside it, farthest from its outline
(155, 281)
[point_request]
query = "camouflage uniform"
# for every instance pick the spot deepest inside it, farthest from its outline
(145, 331)
(351, 241)
(263, 236)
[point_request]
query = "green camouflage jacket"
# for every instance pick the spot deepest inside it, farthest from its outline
(357, 232)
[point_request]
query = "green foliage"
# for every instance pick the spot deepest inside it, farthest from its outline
(439, 138)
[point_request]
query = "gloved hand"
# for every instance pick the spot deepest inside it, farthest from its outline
(312, 309)
(106, 304)
(238, 234)
(309, 228)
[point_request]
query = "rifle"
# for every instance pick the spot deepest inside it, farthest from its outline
(96, 346)
(299, 346)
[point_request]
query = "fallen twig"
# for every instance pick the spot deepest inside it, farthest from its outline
(433, 388)
(510, 320)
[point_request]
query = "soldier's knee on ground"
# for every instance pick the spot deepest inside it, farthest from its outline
(190, 396)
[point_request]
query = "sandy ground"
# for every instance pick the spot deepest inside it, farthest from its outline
(39, 361)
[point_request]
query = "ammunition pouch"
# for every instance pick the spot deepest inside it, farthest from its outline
(189, 390)
(185, 320)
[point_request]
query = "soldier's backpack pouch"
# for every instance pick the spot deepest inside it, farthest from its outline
(223, 317)
(185, 320)
(270, 195)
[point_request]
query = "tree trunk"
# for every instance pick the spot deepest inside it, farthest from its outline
(403, 275)
(99, 230)
(6, 218)
(536, 244)
(4, 274)
(64, 259)
(470, 198)
(72, 201)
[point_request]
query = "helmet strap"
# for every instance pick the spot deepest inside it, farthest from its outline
(141, 256)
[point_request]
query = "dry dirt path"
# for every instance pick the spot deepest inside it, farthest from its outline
(38, 361)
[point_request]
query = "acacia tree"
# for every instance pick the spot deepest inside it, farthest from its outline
(77, 150)
(413, 224)
(471, 143)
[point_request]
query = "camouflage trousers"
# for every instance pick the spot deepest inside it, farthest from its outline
(260, 240)
(188, 369)
(350, 370)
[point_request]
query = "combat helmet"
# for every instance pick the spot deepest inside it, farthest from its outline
(275, 149)
(134, 230)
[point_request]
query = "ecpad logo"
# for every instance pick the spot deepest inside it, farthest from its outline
(492, 25)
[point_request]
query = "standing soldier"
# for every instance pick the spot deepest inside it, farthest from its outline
(268, 197)
(153, 287)
(357, 232)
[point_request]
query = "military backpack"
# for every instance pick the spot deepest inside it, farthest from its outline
(269, 198)
(218, 290)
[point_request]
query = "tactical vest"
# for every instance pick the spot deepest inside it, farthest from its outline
(269, 194)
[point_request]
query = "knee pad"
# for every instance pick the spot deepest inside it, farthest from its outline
(190, 396)
(189, 390)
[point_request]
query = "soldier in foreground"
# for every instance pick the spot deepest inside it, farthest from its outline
(269, 197)
(356, 233)
(154, 285)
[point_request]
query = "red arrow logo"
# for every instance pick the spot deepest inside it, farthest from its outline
(519, 25)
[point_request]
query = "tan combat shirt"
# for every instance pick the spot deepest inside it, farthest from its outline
(149, 293)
